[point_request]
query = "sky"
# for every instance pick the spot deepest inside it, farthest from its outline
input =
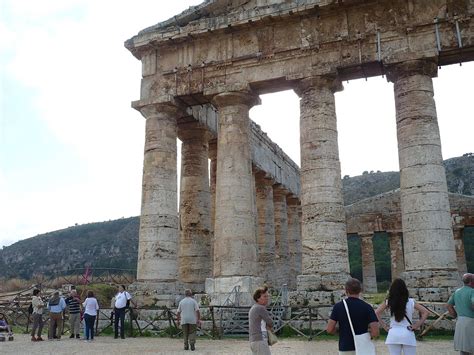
(71, 147)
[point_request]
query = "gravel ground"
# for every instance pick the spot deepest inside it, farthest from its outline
(107, 345)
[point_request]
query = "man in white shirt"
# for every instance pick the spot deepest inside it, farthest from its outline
(189, 317)
(122, 301)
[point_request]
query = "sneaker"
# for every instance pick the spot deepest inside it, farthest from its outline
(39, 339)
(192, 347)
(34, 339)
(186, 347)
(78, 336)
(71, 336)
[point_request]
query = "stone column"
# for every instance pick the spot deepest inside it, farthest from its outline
(235, 257)
(194, 212)
(157, 268)
(368, 263)
(294, 239)
(266, 228)
(281, 235)
(460, 252)
(325, 258)
(430, 259)
(396, 254)
(212, 183)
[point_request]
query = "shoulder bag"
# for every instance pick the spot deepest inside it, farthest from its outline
(272, 338)
(363, 343)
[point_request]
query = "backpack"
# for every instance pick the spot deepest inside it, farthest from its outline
(30, 309)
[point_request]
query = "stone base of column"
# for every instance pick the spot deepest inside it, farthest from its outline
(431, 285)
(219, 289)
(315, 298)
(148, 293)
(321, 282)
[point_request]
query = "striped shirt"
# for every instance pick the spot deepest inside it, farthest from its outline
(74, 304)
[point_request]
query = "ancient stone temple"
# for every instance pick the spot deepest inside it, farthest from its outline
(257, 217)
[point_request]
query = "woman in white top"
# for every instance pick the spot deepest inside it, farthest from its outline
(91, 307)
(401, 336)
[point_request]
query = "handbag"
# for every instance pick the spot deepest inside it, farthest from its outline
(272, 338)
(363, 343)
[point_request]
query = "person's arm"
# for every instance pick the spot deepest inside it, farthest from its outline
(266, 318)
(378, 312)
(451, 310)
(374, 329)
(198, 317)
(423, 315)
(331, 327)
(178, 314)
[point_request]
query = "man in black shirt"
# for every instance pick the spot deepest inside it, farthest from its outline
(362, 315)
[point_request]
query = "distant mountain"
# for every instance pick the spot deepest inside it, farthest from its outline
(114, 244)
(459, 174)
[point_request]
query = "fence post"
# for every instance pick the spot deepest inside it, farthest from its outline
(310, 325)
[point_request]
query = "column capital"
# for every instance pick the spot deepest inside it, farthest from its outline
(192, 131)
(155, 109)
(292, 200)
(412, 67)
(280, 191)
(330, 81)
(236, 98)
(366, 234)
(262, 178)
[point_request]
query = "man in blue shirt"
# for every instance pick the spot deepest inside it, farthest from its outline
(362, 315)
(56, 306)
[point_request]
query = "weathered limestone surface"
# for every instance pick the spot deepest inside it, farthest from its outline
(426, 220)
(194, 257)
(281, 235)
(235, 243)
(158, 236)
(266, 228)
(212, 182)
(396, 254)
(294, 240)
(324, 243)
(460, 251)
(368, 263)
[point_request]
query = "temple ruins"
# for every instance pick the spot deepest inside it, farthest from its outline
(256, 217)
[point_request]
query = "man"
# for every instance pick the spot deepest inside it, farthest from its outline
(122, 302)
(189, 317)
(38, 306)
(56, 306)
(461, 305)
(362, 315)
(73, 303)
(258, 314)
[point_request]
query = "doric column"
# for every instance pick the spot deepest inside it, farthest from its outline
(325, 259)
(396, 254)
(369, 276)
(281, 234)
(158, 235)
(266, 227)
(294, 239)
(212, 183)
(460, 252)
(235, 244)
(195, 204)
(426, 219)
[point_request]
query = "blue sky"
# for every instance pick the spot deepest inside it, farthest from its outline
(71, 148)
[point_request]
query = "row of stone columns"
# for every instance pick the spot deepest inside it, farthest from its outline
(429, 245)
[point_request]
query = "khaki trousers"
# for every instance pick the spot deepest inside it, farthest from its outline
(55, 323)
(189, 333)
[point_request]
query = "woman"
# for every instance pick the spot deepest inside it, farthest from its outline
(401, 336)
(91, 307)
(258, 312)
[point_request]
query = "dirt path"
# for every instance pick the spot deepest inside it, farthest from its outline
(107, 345)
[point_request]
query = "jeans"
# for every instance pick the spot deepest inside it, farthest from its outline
(119, 314)
(89, 321)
